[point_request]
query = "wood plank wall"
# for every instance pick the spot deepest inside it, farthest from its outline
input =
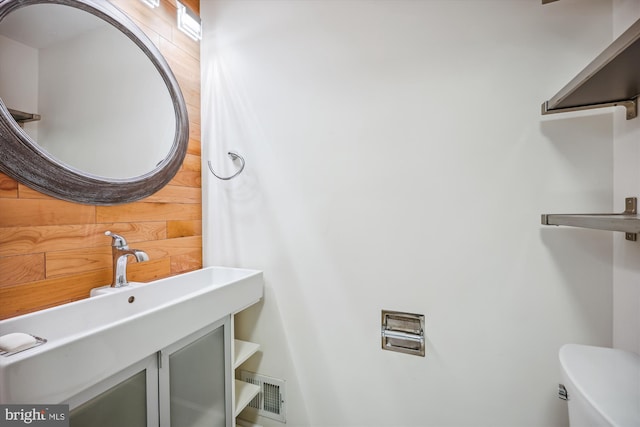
(53, 252)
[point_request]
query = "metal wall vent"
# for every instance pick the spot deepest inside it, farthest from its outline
(270, 401)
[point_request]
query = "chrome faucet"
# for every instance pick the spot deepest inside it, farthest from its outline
(120, 253)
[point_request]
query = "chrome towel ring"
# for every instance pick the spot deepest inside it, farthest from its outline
(233, 156)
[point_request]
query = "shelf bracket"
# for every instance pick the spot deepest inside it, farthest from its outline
(22, 117)
(627, 221)
(630, 105)
(630, 208)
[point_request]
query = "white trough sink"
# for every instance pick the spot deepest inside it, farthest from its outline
(92, 339)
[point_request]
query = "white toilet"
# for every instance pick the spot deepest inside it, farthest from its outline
(602, 386)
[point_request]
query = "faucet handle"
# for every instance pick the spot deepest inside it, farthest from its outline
(118, 240)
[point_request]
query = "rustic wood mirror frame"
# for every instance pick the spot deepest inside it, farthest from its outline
(23, 160)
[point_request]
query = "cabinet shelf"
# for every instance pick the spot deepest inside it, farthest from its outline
(627, 222)
(611, 79)
(245, 392)
(243, 351)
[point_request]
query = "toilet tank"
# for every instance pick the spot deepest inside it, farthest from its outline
(603, 386)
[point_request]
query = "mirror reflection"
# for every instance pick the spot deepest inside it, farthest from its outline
(103, 107)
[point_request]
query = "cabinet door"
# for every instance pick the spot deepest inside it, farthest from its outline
(193, 379)
(129, 398)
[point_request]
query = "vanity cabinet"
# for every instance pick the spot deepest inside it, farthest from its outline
(153, 354)
(187, 384)
(194, 378)
(129, 398)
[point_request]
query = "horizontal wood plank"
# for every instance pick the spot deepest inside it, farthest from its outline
(61, 263)
(25, 240)
(194, 147)
(187, 261)
(158, 20)
(8, 187)
(186, 68)
(187, 178)
(34, 212)
(140, 212)
(194, 139)
(172, 247)
(192, 163)
(193, 112)
(21, 269)
(176, 194)
(149, 271)
(26, 298)
(184, 65)
(183, 229)
(25, 192)
(149, 31)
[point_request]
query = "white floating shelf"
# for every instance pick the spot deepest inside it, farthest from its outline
(245, 392)
(243, 351)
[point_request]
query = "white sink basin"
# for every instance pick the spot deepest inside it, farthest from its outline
(92, 339)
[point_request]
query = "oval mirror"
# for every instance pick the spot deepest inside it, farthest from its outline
(89, 109)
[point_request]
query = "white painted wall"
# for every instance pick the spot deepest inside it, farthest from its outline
(397, 159)
(626, 272)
